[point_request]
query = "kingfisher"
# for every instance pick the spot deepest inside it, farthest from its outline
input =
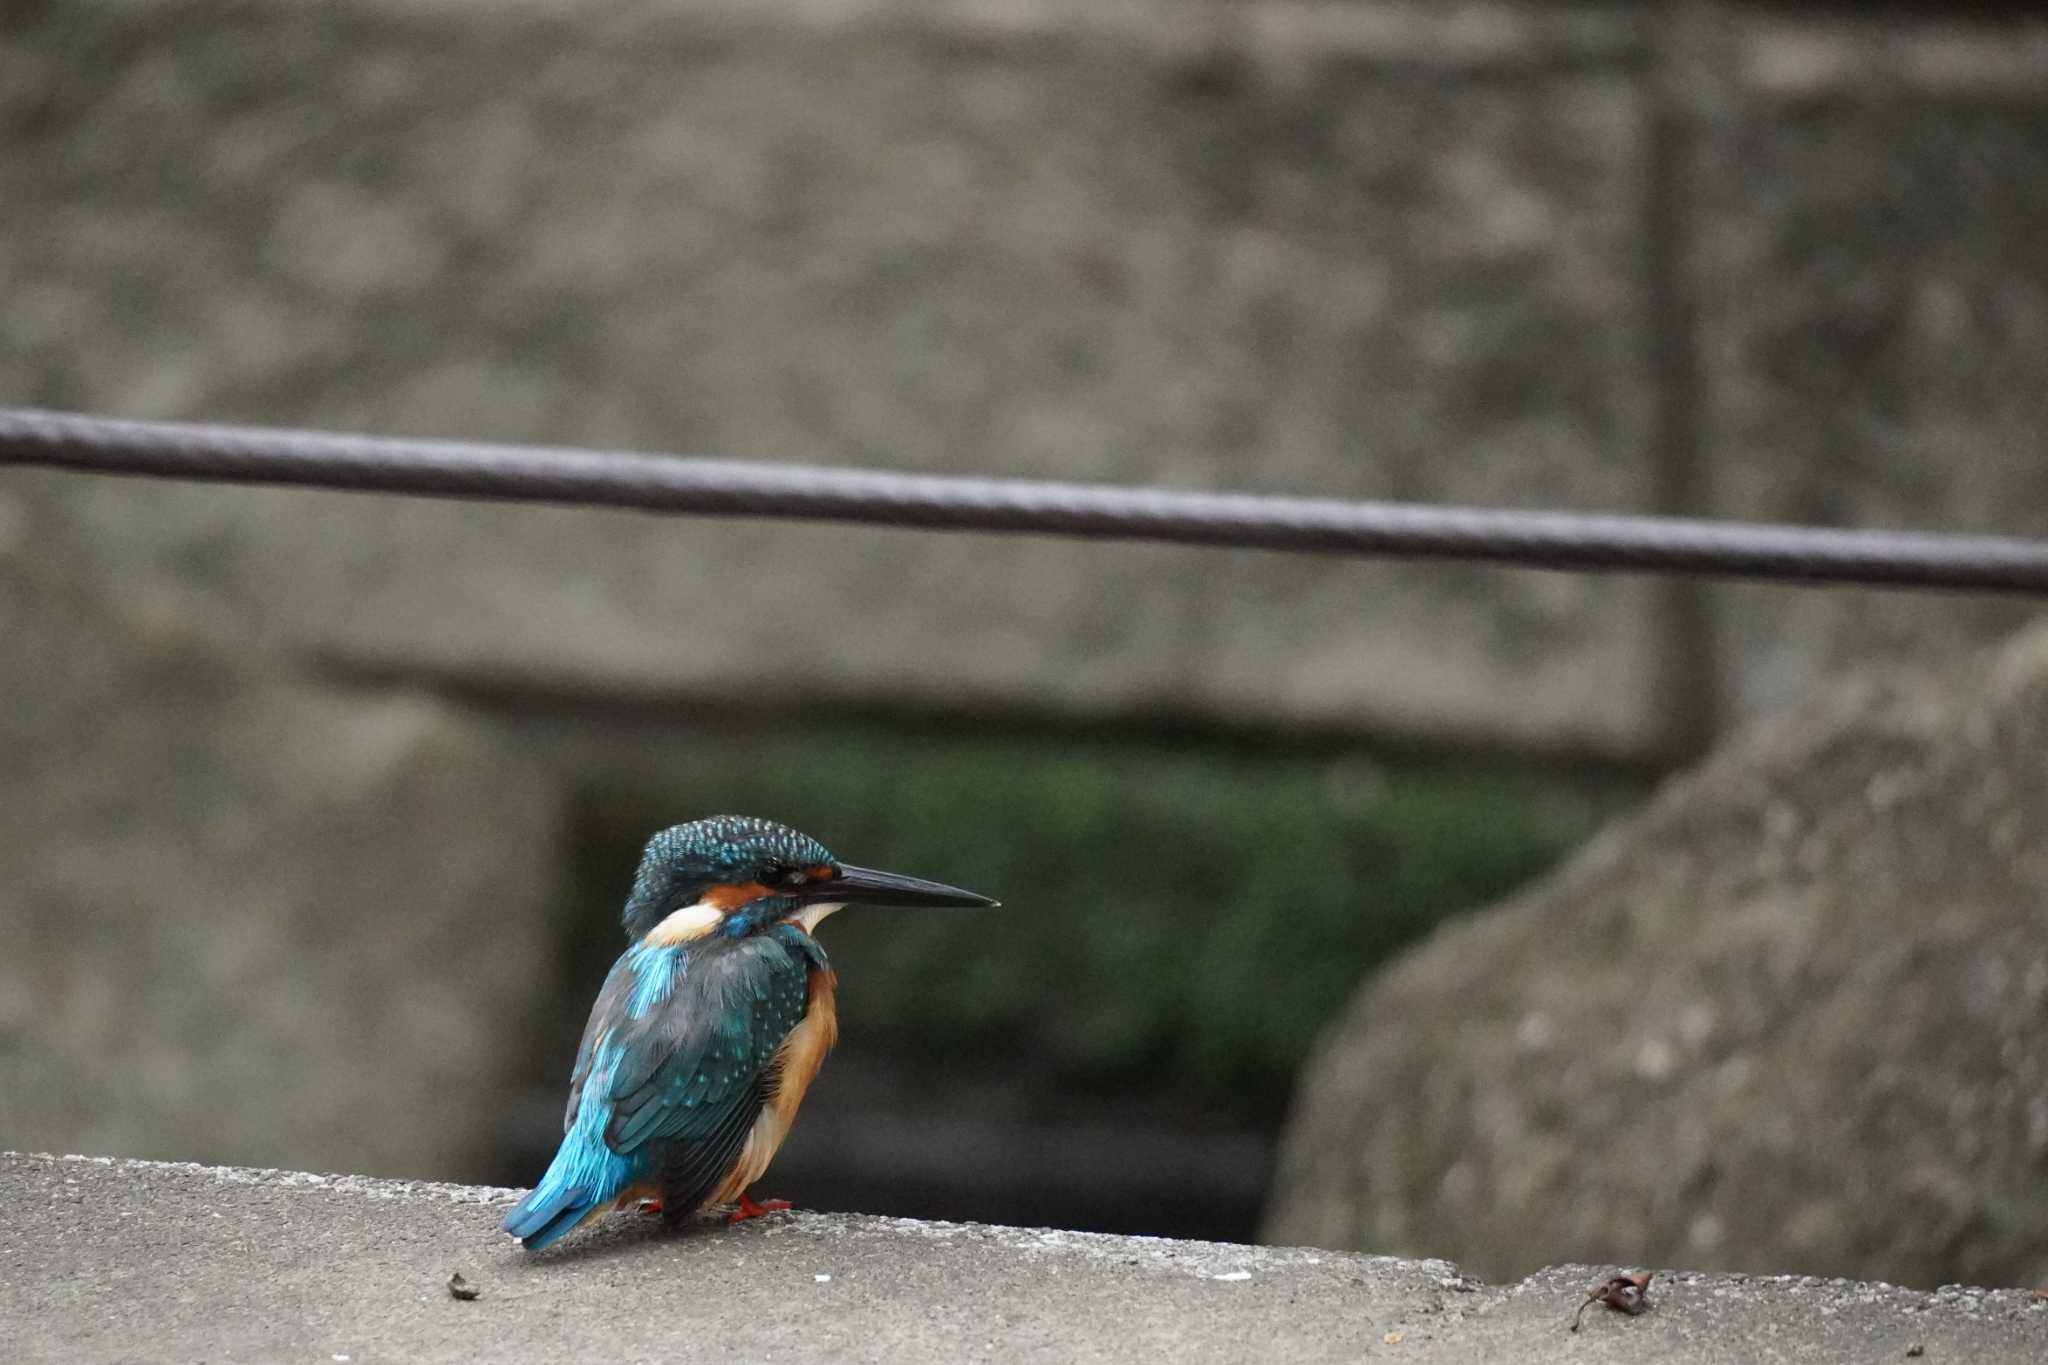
(710, 1026)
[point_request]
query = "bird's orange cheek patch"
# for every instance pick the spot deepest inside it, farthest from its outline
(734, 896)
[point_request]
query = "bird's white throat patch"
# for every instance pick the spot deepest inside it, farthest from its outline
(693, 922)
(810, 915)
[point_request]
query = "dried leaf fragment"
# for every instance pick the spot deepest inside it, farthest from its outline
(460, 1288)
(1623, 1293)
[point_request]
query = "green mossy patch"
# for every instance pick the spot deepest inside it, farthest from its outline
(1180, 916)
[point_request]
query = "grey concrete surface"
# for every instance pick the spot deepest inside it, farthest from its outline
(104, 1260)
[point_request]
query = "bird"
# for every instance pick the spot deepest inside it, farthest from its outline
(709, 1028)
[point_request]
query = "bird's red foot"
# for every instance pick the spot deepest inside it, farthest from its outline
(749, 1209)
(650, 1206)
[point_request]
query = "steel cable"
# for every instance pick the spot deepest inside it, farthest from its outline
(732, 488)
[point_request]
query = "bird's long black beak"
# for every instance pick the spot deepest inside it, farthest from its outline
(865, 886)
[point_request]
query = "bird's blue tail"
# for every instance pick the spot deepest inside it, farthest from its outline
(585, 1177)
(545, 1215)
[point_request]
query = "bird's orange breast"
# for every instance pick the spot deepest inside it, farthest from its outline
(803, 1051)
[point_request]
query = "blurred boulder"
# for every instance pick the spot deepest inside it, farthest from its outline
(1792, 1016)
(248, 917)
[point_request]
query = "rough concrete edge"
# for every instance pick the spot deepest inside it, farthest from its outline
(1486, 35)
(1198, 1259)
(370, 1187)
(1195, 1257)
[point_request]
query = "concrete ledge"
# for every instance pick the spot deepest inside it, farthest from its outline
(106, 1260)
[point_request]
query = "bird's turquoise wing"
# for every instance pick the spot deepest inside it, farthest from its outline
(610, 1005)
(688, 1068)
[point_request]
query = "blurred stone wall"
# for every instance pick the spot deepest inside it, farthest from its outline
(250, 916)
(1683, 258)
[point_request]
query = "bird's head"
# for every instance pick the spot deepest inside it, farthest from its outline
(735, 875)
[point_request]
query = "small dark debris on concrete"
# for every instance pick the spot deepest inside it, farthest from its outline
(1915, 1351)
(460, 1288)
(1623, 1293)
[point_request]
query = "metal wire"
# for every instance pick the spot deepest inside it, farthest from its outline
(731, 488)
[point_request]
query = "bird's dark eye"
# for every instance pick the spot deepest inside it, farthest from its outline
(788, 876)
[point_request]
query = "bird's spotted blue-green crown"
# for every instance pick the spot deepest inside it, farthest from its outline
(683, 860)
